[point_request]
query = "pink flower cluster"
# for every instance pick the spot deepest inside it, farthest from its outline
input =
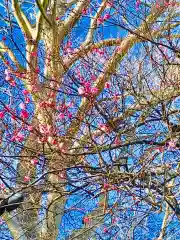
(18, 137)
(104, 128)
(68, 47)
(2, 114)
(64, 110)
(87, 91)
(47, 134)
(34, 161)
(101, 20)
(96, 50)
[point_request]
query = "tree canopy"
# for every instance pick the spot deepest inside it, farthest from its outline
(89, 119)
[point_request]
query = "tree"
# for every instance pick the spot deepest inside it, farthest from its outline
(89, 113)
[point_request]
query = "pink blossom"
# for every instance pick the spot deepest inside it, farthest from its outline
(173, 4)
(68, 44)
(27, 100)
(62, 176)
(100, 20)
(87, 84)
(69, 50)
(69, 115)
(37, 70)
(34, 54)
(94, 90)
(34, 161)
(24, 114)
(19, 137)
(26, 178)
(117, 141)
(63, 150)
(86, 219)
(25, 92)
(107, 16)
(29, 128)
(84, 11)
(1, 114)
(107, 85)
(106, 186)
(54, 142)
(114, 220)
(13, 83)
(105, 230)
(81, 90)
(22, 106)
(13, 138)
(2, 186)
(93, 77)
(104, 128)
(61, 116)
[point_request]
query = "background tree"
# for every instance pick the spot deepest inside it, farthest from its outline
(89, 118)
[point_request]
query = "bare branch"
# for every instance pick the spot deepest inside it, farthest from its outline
(4, 48)
(164, 224)
(73, 18)
(22, 19)
(43, 13)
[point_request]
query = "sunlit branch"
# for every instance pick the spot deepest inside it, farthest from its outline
(39, 19)
(43, 13)
(74, 16)
(3, 49)
(80, 53)
(15, 228)
(164, 224)
(93, 24)
(22, 19)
